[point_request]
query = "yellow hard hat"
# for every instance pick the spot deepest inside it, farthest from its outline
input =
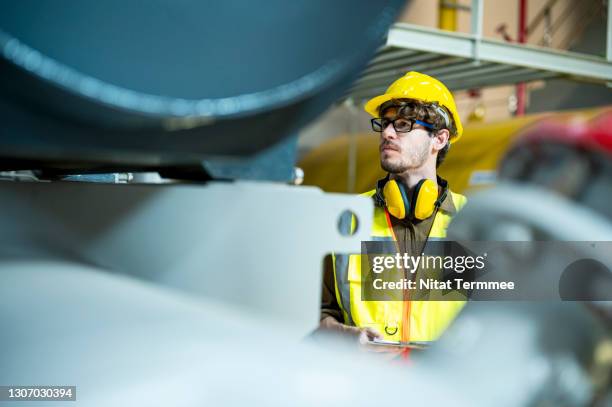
(415, 85)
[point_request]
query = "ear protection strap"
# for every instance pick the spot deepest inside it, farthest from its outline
(415, 196)
(407, 204)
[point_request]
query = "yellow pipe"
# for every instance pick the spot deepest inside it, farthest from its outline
(447, 16)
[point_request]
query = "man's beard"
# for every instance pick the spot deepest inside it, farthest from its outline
(415, 160)
(394, 167)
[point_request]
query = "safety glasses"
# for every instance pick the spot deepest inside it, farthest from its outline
(400, 124)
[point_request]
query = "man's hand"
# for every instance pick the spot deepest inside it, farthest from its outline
(364, 335)
(331, 324)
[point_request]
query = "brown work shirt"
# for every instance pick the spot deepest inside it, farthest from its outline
(411, 236)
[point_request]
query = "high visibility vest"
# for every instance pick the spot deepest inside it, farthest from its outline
(396, 320)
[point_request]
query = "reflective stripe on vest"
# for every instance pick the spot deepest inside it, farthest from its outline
(395, 320)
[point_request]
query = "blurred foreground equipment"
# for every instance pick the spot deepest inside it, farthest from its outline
(171, 294)
(89, 87)
(117, 86)
(554, 185)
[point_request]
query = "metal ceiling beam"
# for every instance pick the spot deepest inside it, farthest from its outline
(528, 56)
(465, 61)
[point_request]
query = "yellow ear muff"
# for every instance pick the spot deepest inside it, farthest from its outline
(396, 199)
(426, 194)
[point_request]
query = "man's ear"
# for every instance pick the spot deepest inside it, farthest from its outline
(441, 138)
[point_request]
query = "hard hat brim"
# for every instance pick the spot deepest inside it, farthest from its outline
(373, 104)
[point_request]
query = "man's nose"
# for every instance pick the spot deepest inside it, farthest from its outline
(388, 132)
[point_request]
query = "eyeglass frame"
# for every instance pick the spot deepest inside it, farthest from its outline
(412, 121)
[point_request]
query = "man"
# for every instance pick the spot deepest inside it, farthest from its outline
(417, 120)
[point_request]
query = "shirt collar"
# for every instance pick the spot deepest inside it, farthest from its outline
(447, 204)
